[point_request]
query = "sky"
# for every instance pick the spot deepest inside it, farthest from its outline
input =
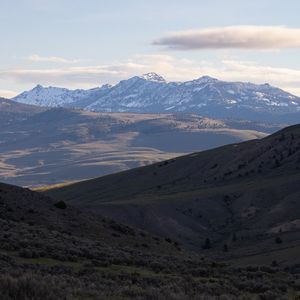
(84, 44)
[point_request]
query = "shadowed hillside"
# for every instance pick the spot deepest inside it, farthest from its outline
(49, 251)
(12, 112)
(244, 196)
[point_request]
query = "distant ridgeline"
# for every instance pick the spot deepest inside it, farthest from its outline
(150, 93)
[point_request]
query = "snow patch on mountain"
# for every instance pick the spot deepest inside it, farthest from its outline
(153, 77)
(52, 96)
(151, 93)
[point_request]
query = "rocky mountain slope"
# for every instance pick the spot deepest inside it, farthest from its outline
(52, 96)
(150, 93)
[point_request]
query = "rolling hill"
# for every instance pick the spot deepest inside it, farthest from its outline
(12, 112)
(40, 146)
(243, 196)
(50, 250)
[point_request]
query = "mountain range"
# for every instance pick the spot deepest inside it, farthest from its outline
(151, 93)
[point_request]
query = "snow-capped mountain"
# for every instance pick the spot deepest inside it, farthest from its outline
(151, 93)
(153, 77)
(53, 96)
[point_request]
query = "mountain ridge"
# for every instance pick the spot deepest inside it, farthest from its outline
(248, 189)
(151, 93)
(41, 146)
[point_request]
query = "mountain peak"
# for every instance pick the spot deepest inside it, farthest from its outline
(38, 87)
(106, 86)
(153, 77)
(206, 79)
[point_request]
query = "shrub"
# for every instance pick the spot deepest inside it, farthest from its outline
(60, 205)
(207, 244)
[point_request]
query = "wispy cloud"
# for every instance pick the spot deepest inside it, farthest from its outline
(87, 76)
(233, 37)
(168, 66)
(7, 93)
(53, 59)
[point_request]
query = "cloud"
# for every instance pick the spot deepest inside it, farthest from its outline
(285, 78)
(294, 91)
(172, 68)
(233, 37)
(70, 76)
(98, 74)
(247, 70)
(7, 94)
(53, 59)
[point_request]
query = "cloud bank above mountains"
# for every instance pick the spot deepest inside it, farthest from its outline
(172, 68)
(78, 73)
(233, 37)
(52, 59)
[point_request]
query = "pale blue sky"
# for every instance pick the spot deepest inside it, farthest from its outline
(87, 43)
